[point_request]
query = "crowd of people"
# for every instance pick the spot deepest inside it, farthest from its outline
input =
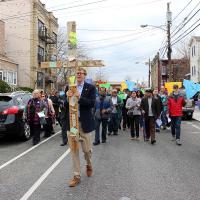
(140, 114)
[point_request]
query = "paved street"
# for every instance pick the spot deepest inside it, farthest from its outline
(123, 168)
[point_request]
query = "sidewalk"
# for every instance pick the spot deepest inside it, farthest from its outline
(196, 114)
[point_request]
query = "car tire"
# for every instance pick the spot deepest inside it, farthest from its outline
(25, 132)
(189, 117)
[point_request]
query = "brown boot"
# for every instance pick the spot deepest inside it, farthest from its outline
(75, 181)
(89, 170)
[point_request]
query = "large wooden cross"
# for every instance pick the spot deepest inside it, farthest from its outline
(73, 63)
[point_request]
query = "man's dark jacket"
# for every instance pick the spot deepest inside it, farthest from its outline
(155, 105)
(87, 102)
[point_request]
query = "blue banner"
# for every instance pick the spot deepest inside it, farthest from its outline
(191, 88)
(131, 85)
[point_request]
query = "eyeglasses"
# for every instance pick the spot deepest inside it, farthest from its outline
(79, 73)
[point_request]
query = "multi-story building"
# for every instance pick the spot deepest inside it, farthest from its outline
(194, 46)
(31, 37)
(8, 68)
(160, 71)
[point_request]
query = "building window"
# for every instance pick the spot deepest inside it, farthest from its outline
(194, 51)
(12, 78)
(194, 70)
(164, 70)
(41, 55)
(1, 75)
(41, 30)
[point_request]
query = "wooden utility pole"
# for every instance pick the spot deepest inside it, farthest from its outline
(169, 23)
(149, 77)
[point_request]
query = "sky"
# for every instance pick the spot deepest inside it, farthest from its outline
(110, 30)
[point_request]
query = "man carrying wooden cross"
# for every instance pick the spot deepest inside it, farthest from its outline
(86, 94)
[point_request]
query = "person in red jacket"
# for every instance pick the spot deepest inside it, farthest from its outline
(175, 103)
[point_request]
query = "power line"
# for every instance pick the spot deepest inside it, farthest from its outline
(182, 10)
(185, 18)
(184, 35)
(186, 23)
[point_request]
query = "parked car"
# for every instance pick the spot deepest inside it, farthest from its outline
(188, 109)
(12, 114)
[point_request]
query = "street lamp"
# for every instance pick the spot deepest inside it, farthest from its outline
(148, 25)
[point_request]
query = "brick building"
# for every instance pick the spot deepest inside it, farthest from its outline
(160, 71)
(8, 68)
(31, 37)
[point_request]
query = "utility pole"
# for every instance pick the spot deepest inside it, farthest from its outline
(149, 79)
(159, 71)
(169, 23)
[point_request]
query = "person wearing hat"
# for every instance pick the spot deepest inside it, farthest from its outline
(116, 104)
(175, 103)
(151, 110)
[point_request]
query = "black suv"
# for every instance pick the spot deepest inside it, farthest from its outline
(12, 114)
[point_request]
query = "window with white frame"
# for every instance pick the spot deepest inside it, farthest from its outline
(11, 78)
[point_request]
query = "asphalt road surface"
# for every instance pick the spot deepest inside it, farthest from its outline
(123, 169)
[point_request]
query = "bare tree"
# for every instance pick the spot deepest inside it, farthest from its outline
(182, 50)
(101, 75)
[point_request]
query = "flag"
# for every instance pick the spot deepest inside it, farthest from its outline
(123, 86)
(131, 85)
(191, 88)
(105, 85)
(169, 86)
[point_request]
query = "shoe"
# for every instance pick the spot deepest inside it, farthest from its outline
(96, 143)
(63, 144)
(103, 141)
(133, 138)
(115, 133)
(137, 139)
(146, 140)
(178, 142)
(158, 130)
(109, 133)
(56, 123)
(75, 181)
(153, 142)
(173, 138)
(89, 170)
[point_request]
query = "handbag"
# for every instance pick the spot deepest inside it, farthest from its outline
(42, 121)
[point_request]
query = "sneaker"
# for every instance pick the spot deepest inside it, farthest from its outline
(137, 139)
(178, 142)
(103, 141)
(133, 138)
(89, 170)
(109, 133)
(75, 181)
(96, 143)
(153, 142)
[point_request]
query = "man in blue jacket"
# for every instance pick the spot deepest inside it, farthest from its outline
(87, 96)
(102, 113)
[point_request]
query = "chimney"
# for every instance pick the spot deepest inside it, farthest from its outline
(2, 38)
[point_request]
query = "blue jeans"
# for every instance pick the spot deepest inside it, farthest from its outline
(164, 118)
(176, 126)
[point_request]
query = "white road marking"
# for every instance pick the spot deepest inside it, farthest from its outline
(44, 176)
(27, 151)
(195, 126)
